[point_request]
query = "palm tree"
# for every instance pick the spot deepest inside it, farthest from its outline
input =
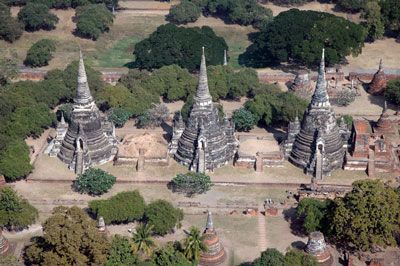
(142, 239)
(193, 244)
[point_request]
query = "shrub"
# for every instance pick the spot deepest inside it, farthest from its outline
(122, 208)
(92, 20)
(15, 212)
(36, 17)
(170, 44)
(163, 216)
(271, 257)
(345, 97)
(121, 252)
(11, 168)
(119, 116)
(94, 182)
(392, 92)
(184, 13)
(244, 120)
(191, 183)
(40, 53)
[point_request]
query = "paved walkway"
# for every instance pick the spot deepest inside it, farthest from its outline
(262, 232)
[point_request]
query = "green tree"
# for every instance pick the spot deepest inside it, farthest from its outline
(162, 216)
(142, 240)
(36, 17)
(121, 253)
(94, 182)
(194, 245)
(299, 36)
(70, 238)
(8, 69)
(92, 20)
(313, 214)
(15, 212)
(124, 207)
(191, 183)
(184, 13)
(40, 53)
(170, 45)
(11, 167)
(374, 24)
(296, 257)
(351, 5)
(170, 255)
(119, 116)
(10, 28)
(367, 216)
(391, 16)
(270, 257)
(244, 120)
(392, 92)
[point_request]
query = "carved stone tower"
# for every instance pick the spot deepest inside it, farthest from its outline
(87, 141)
(318, 147)
(206, 142)
(379, 81)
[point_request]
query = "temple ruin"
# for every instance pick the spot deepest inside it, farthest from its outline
(317, 248)
(215, 253)
(379, 82)
(89, 138)
(205, 142)
(317, 144)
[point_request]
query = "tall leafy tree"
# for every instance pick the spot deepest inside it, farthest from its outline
(70, 238)
(374, 24)
(94, 182)
(191, 183)
(270, 257)
(299, 36)
(184, 13)
(92, 20)
(244, 120)
(12, 168)
(163, 216)
(142, 239)
(36, 17)
(391, 16)
(10, 28)
(313, 214)
(367, 216)
(193, 245)
(170, 45)
(15, 212)
(170, 255)
(40, 53)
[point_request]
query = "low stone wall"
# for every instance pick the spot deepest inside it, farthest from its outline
(154, 161)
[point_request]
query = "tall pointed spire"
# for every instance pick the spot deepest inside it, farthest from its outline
(381, 64)
(203, 96)
(83, 95)
(225, 59)
(62, 120)
(210, 224)
(320, 97)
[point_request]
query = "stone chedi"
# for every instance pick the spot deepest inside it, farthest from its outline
(61, 130)
(317, 248)
(302, 84)
(205, 142)
(379, 81)
(215, 253)
(89, 139)
(316, 145)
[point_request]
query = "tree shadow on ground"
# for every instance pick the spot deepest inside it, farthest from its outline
(295, 224)
(298, 245)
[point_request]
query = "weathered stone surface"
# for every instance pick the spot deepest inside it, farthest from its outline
(302, 84)
(205, 143)
(86, 142)
(215, 253)
(317, 248)
(4, 244)
(379, 81)
(319, 136)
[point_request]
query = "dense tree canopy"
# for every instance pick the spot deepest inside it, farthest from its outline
(36, 17)
(121, 253)
(8, 69)
(70, 238)
(390, 10)
(122, 208)
(313, 214)
(163, 216)
(92, 20)
(184, 13)
(12, 168)
(40, 53)
(94, 182)
(299, 36)
(170, 45)
(170, 255)
(244, 119)
(270, 257)
(15, 212)
(392, 91)
(351, 5)
(366, 217)
(294, 257)
(10, 28)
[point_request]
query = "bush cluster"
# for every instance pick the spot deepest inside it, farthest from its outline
(92, 20)
(37, 17)
(94, 182)
(191, 183)
(10, 28)
(40, 53)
